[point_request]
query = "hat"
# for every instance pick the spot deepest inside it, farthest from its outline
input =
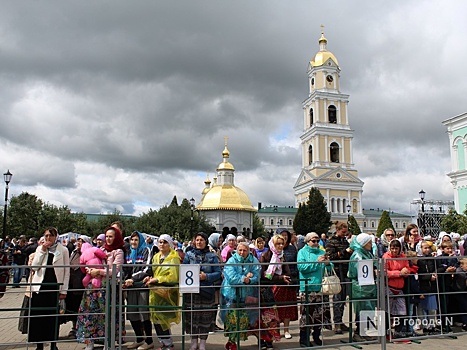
(310, 235)
(101, 237)
(363, 239)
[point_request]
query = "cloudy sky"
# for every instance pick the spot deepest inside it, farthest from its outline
(121, 105)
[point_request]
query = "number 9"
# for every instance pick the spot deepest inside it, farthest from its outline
(365, 271)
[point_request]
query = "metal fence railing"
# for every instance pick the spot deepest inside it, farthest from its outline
(255, 309)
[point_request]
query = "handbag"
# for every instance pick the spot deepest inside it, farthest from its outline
(331, 284)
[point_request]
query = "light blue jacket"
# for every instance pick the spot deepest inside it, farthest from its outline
(310, 270)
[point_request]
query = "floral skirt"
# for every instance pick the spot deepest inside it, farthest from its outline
(286, 301)
(231, 329)
(90, 324)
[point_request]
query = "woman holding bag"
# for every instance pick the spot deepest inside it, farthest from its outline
(311, 263)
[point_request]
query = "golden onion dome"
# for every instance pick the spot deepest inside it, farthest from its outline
(225, 165)
(225, 197)
(225, 152)
(323, 54)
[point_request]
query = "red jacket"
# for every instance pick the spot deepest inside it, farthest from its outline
(393, 269)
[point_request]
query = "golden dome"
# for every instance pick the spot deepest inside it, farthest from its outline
(225, 197)
(322, 57)
(225, 165)
(323, 54)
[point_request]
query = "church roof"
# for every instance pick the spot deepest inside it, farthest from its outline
(224, 195)
(323, 54)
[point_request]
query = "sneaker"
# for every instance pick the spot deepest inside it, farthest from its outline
(268, 346)
(230, 346)
(357, 338)
(344, 327)
(303, 345)
(134, 345)
(145, 346)
(90, 346)
(262, 345)
(337, 329)
(464, 327)
(287, 335)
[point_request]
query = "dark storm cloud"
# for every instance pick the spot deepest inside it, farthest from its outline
(151, 89)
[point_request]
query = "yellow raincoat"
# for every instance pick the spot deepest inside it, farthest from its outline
(164, 295)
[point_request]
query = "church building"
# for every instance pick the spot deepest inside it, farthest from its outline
(224, 204)
(326, 141)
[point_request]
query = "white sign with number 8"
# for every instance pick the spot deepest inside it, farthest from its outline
(189, 278)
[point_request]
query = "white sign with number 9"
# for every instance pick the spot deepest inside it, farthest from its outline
(365, 272)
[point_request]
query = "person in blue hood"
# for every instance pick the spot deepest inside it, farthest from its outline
(364, 296)
(242, 269)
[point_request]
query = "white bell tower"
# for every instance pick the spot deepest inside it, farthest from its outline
(326, 141)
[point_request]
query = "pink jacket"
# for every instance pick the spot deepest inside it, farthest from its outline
(393, 269)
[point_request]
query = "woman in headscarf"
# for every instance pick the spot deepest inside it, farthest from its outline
(200, 318)
(75, 286)
(311, 262)
(231, 245)
(164, 290)
(241, 274)
(215, 241)
(385, 238)
(138, 261)
(287, 295)
(49, 284)
(91, 314)
(365, 295)
(276, 273)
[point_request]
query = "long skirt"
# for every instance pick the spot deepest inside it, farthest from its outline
(43, 324)
(23, 323)
(91, 315)
(236, 324)
(286, 301)
(200, 316)
(137, 301)
(315, 311)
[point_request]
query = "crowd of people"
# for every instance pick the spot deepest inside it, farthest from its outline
(250, 288)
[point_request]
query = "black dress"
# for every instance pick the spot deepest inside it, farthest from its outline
(43, 325)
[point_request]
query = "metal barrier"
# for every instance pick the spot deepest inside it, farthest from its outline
(256, 309)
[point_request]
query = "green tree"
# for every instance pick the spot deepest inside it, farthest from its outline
(384, 223)
(353, 226)
(24, 215)
(258, 227)
(454, 222)
(313, 216)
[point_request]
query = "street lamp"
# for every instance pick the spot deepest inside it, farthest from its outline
(422, 219)
(7, 177)
(192, 207)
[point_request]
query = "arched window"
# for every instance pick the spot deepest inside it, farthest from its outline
(280, 222)
(354, 206)
(272, 221)
(262, 221)
(396, 225)
(372, 224)
(332, 114)
(290, 222)
(311, 116)
(364, 224)
(334, 152)
(310, 155)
